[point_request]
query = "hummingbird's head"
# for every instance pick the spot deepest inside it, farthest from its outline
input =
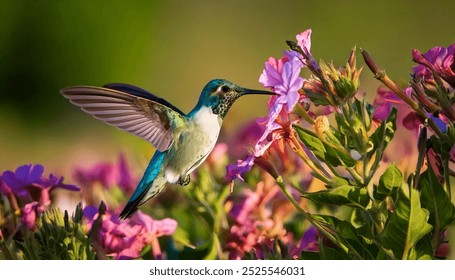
(220, 94)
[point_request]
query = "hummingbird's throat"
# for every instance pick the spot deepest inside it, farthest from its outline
(225, 104)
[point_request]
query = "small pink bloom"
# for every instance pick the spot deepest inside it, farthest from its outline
(29, 214)
(304, 40)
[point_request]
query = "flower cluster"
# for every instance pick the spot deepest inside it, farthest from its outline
(29, 192)
(30, 209)
(282, 76)
(345, 159)
(126, 239)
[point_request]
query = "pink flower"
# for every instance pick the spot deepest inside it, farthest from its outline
(437, 59)
(125, 239)
(304, 40)
(383, 103)
(117, 237)
(29, 213)
(257, 222)
(107, 174)
(154, 228)
(282, 76)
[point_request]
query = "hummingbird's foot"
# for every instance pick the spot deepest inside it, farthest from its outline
(184, 180)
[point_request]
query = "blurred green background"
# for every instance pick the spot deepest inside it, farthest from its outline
(172, 48)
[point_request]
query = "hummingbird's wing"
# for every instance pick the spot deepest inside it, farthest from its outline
(131, 109)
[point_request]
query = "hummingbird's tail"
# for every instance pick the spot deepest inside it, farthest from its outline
(149, 186)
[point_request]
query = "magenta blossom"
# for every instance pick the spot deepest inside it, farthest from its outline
(282, 76)
(125, 239)
(29, 213)
(437, 59)
(108, 175)
(118, 238)
(154, 228)
(383, 103)
(304, 40)
(412, 121)
(234, 171)
(309, 241)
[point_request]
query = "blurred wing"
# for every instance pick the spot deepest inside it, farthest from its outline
(141, 115)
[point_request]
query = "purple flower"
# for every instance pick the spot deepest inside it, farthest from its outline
(29, 185)
(309, 241)
(383, 103)
(24, 177)
(437, 59)
(282, 77)
(28, 182)
(412, 121)
(234, 171)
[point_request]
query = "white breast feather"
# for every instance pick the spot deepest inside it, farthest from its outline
(209, 122)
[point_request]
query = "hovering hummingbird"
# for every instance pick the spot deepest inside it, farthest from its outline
(182, 141)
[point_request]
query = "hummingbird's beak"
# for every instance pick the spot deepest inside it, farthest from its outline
(255, 91)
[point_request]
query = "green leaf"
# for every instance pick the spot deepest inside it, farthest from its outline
(336, 182)
(330, 253)
(323, 151)
(389, 183)
(423, 249)
(317, 98)
(436, 200)
(311, 141)
(337, 157)
(348, 236)
(309, 255)
(407, 225)
(207, 251)
(343, 195)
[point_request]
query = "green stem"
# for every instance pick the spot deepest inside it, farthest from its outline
(445, 165)
(297, 148)
(299, 110)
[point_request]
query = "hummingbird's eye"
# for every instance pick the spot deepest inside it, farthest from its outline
(224, 89)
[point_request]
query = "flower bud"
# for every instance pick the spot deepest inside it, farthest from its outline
(321, 125)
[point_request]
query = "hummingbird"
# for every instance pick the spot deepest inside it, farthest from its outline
(182, 141)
